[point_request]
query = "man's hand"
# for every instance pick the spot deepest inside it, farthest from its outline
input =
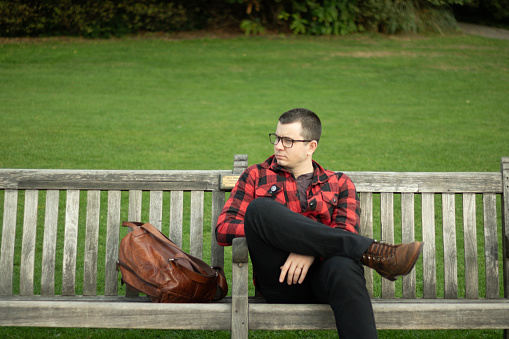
(296, 268)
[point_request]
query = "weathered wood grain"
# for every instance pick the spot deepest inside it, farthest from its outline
(26, 277)
(470, 245)
(428, 253)
(393, 314)
(125, 314)
(196, 221)
(217, 252)
(109, 179)
(176, 216)
(240, 303)
(408, 236)
(491, 245)
(70, 242)
(156, 209)
(387, 220)
(449, 242)
(8, 241)
(91, 242)
(112, 243)
(422, 182)
(366, 229)
(50, 243)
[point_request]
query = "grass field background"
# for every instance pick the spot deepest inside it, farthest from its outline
(413, 103)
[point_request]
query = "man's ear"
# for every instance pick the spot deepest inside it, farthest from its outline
(312, 146)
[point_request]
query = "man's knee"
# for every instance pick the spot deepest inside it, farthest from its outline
(258, 206)
(255, 213)
(257, 210)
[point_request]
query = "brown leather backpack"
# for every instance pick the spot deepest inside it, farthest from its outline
(152, 264)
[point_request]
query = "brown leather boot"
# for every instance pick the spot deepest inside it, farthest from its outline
(391, 261)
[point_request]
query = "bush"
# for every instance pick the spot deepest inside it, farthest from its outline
(312, 17)
(91, 18)
(394, 16)
(338, 17)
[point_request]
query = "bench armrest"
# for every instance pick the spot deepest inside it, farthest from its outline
(239, 250)
(240, 305)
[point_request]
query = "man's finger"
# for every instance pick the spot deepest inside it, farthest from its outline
(284, 270)
(297, 274)
(303, 274)
(291, 275)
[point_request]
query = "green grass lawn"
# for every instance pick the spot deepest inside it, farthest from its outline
(415, 103)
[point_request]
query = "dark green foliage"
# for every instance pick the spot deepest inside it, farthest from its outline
(92, 18)
(108, 18)
(339, 17)
(394, 16)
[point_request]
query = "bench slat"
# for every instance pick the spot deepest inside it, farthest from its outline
(396, 314)
(112, 243)
(407, 236)
(387, 220)
(91, 242)
(156, 209)
(217, 252)
(109, 179)
(367, 231)
(70, 242)
(50, 243)
(135, 205)
(449, 241)
(134, 214)
(8, 239)
(470, 244)
(417, 182)
(176, 217)
(428, 254)
(427, 182)
(26, 283)
(122, 314)
(196, 220)
(491, 245)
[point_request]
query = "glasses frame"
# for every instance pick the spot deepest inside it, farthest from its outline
(280, 139)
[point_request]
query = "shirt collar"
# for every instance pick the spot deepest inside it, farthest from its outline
(319, 174)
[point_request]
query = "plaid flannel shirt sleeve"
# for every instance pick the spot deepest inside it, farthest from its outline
(230, 223)
(348, 212)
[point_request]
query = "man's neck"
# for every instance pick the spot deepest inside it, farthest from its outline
(297, 172)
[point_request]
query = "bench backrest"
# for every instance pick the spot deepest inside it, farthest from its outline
(61, 228)
(58, 225)
(457, 215)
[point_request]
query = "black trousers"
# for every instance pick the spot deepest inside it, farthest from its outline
(336, 278)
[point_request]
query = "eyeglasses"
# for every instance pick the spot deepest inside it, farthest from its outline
(287, 142)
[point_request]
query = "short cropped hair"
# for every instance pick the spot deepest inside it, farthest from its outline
(311, 125)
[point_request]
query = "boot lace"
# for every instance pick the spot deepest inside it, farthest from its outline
(382, 251)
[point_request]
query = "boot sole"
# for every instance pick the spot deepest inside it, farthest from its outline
(419, 251)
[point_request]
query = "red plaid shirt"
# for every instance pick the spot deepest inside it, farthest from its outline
(332, 198)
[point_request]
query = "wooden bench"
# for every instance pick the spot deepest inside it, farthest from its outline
(61, 230)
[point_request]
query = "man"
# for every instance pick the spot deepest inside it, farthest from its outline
(301, 223)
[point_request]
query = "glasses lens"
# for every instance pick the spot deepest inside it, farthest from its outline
(273, 139)
(287, 142)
